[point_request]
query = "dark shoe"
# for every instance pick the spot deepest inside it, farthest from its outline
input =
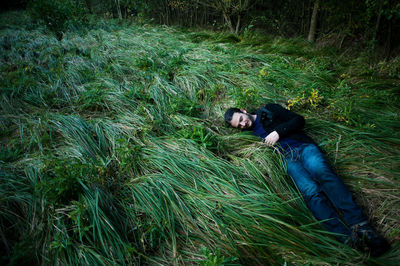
(352, 241)
(375, 244)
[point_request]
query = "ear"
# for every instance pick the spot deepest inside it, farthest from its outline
(244, 111)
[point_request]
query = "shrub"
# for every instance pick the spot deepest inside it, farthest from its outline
(56, 14)
(60, 182)
(185, 106)
(200, 135)
(312, 100)
(248, 98)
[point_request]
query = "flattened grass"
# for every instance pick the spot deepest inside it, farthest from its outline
(114, 150)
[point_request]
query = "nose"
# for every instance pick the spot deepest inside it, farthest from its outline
(242, 124)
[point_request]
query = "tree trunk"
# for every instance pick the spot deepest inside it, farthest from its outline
(313, 23)
(237, 25)
(167, 15)
(118, 9)
(229, 22)
(378, 20)
(89, 6)
(388, 43)
(302, 28)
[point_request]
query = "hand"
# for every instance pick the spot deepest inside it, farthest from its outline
(272, 138)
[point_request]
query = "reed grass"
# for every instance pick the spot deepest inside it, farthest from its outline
(114, 149)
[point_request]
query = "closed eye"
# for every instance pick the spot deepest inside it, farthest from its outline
(240, 120)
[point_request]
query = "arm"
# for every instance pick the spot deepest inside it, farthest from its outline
(292, 122)
(272, 138)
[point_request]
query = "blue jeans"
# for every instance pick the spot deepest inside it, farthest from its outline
(322, 189)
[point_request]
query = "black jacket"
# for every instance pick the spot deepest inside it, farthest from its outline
(288, 124)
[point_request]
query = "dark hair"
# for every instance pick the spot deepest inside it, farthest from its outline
(229, 113)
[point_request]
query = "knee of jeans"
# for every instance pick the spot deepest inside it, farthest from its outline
(310, 191)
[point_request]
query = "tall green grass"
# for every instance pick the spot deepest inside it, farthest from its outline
(114, 149)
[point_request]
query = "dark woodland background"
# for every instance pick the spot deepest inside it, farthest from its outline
(371, 25)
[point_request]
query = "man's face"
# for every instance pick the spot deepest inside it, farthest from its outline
(242, 120)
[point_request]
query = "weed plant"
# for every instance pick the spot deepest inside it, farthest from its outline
(114, 149)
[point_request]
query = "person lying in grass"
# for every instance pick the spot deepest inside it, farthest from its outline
(321, 188)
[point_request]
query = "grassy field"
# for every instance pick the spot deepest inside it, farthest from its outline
(114, 149)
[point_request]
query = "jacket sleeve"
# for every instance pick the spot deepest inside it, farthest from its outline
(291, 122)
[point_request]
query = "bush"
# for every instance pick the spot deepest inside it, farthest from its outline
(200, 135)
(60, 182)
(57, 14)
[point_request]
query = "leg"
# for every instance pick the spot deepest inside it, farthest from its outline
(315, 198)
(364, 236)
(320, 171)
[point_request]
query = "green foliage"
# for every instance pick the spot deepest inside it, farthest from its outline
(199, 135)
(215, 93)
(164, 63)
(312, 101)
(248, 98)
(214, 258)
(57, 14)
(198, 37)
(228, 38)
(114, 150)
(389, 68)
(90, 231)
(128, 155)
(185, 106)
(92, 99)
(61, 182)
(11, 154)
